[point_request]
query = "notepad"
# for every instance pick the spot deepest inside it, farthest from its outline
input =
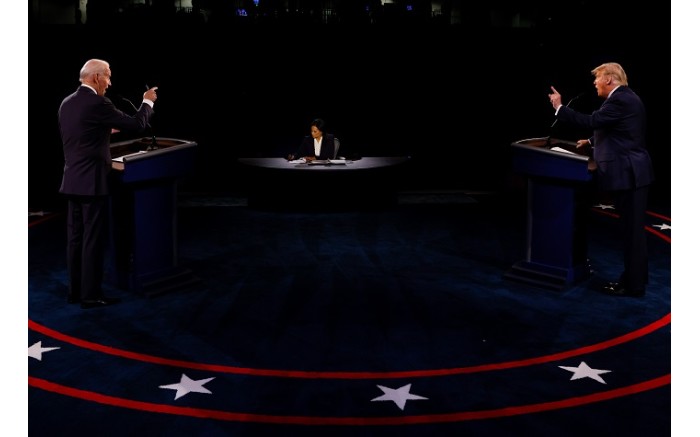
(559, 149)
(327, 162)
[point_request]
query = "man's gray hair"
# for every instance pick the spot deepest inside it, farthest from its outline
(93, 66)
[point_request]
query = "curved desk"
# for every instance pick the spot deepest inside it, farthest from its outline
(368, 163)
(370, 181)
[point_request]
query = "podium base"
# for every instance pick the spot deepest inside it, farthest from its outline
(544, 276)
(180, 280)
(154, 284)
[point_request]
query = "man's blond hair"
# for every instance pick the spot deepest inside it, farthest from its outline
(612, 69)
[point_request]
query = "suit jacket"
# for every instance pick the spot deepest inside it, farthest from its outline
(307, 147)
(85, 121)
(619, 144)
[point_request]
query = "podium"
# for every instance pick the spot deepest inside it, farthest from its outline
(143, 214)
(557, 179)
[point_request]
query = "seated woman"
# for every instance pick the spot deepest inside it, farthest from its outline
(319, 145)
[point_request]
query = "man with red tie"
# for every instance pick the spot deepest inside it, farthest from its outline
(624, 167)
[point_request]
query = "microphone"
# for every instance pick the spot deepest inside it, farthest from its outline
(549, 137)
(120, 97)
(567, 105)
(154, 144)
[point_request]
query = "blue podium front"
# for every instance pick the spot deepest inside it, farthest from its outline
(143, 208)
(556, 250)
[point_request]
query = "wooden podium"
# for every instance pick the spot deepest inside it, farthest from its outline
(143, 214)
(557, 176)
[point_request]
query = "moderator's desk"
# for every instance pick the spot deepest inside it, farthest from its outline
(370, 181)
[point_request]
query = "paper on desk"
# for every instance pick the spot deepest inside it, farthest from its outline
(559, 149)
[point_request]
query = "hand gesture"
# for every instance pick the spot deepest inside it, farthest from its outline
(150, 94)
(555, 98)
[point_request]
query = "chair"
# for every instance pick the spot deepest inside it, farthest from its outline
(336, 143)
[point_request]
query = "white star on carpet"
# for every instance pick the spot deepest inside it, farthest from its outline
(601, 206)
(583, 371)
(187, 385)
(662, 227)
(399, 395)
(36, 350)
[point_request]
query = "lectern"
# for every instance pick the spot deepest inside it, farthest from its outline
(557, 176)
(143, 208)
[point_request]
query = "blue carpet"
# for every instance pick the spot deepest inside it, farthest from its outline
(388, 321)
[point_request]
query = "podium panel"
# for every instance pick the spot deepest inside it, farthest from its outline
(143, 209)
(556, 240)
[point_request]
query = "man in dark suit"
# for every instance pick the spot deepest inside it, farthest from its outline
(86, 120)
(624, 166)
(320, 145)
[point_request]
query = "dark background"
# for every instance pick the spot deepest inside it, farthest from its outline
(452, 96)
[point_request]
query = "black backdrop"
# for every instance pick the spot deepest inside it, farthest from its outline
(452, 97)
